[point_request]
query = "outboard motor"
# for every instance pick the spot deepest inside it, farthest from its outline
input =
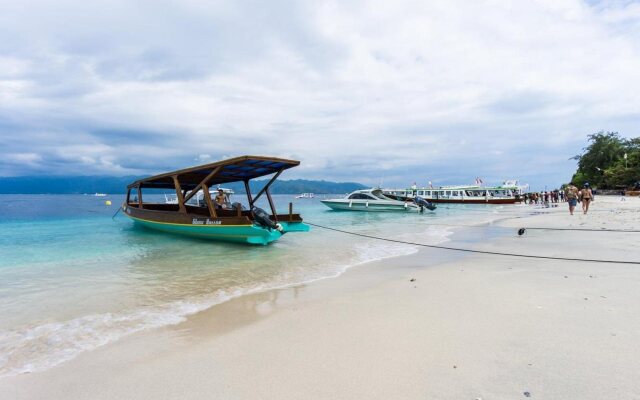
(234, 206)
(422, 203)
(262, 218)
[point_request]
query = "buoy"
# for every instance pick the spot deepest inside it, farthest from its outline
(107, 202)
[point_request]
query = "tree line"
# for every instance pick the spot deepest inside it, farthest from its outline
(603, 164)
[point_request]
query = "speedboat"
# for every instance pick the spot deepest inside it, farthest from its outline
(305, 196)
(371, 200)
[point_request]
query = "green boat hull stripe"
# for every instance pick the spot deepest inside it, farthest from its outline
(229, 233)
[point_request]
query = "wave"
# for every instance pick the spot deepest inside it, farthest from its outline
(37, 348)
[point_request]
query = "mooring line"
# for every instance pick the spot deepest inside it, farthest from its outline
(487, 224)
(495, 253)
(114, 215)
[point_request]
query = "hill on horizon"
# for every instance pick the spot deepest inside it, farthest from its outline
(115, 185)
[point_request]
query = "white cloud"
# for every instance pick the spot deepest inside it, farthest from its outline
(357, 90)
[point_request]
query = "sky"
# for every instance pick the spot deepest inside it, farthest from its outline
(378, 92)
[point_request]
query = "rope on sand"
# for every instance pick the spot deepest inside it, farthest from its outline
(494, 253)
(487, 224)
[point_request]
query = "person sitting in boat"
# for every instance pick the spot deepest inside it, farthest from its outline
(221, 199)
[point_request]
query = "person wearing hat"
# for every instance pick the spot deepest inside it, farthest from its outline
(587, 197)
(571, 194)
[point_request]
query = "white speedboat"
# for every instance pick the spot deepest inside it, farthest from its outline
(370, 200)
(305, 196)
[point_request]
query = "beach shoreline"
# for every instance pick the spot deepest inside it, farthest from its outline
(476, 326)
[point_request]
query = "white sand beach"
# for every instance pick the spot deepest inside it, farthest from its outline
(424, 326)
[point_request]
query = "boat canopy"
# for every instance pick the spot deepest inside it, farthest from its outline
(238, 169)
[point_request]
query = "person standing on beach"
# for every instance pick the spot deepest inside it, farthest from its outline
(571, 194)
(587, 197)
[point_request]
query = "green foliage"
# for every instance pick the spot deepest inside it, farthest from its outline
(602, 163)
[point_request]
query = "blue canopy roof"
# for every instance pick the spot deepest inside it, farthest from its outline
(232, 170)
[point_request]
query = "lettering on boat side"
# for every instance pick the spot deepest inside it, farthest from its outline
(207, 221)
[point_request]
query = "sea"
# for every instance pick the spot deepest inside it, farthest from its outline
(74, 277)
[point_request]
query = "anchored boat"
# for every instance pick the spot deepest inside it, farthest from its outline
(375, 200)
(461, 194)
(217, 220)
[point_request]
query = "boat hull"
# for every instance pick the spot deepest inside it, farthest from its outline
(475, 201)
(462, 201)
(235, 230)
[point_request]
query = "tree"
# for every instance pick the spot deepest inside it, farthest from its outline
(602, 163)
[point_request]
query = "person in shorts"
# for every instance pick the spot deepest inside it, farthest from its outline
(571, 194)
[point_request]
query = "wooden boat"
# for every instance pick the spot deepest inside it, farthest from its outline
(231, 223)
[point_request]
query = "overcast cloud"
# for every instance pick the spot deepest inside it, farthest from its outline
(396, 92)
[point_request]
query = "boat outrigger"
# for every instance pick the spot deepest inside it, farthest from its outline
(210, 220)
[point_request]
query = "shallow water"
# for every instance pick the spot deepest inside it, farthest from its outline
(72, 279)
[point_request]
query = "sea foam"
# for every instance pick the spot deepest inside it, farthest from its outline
(37, 348)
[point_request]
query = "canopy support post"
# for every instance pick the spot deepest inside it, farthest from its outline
(128, 196)
(181, 206)
(273, 207)
(248, 190)
(266, 187)
(140, 196)
(207, 199)
(203, 182)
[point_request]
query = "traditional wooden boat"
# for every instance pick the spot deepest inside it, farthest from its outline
(231, 223)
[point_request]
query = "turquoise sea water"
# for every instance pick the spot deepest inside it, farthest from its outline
(72, 279)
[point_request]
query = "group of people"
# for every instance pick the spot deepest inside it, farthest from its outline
(546, 197)
(571, 194)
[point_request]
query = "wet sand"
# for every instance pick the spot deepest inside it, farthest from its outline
(431, 325)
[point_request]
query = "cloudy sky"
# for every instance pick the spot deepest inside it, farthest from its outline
(391, 91)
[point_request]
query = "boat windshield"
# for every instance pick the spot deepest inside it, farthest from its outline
(379, 195)
(361, 196)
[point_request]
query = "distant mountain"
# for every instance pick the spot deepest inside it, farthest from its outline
(113, 185)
